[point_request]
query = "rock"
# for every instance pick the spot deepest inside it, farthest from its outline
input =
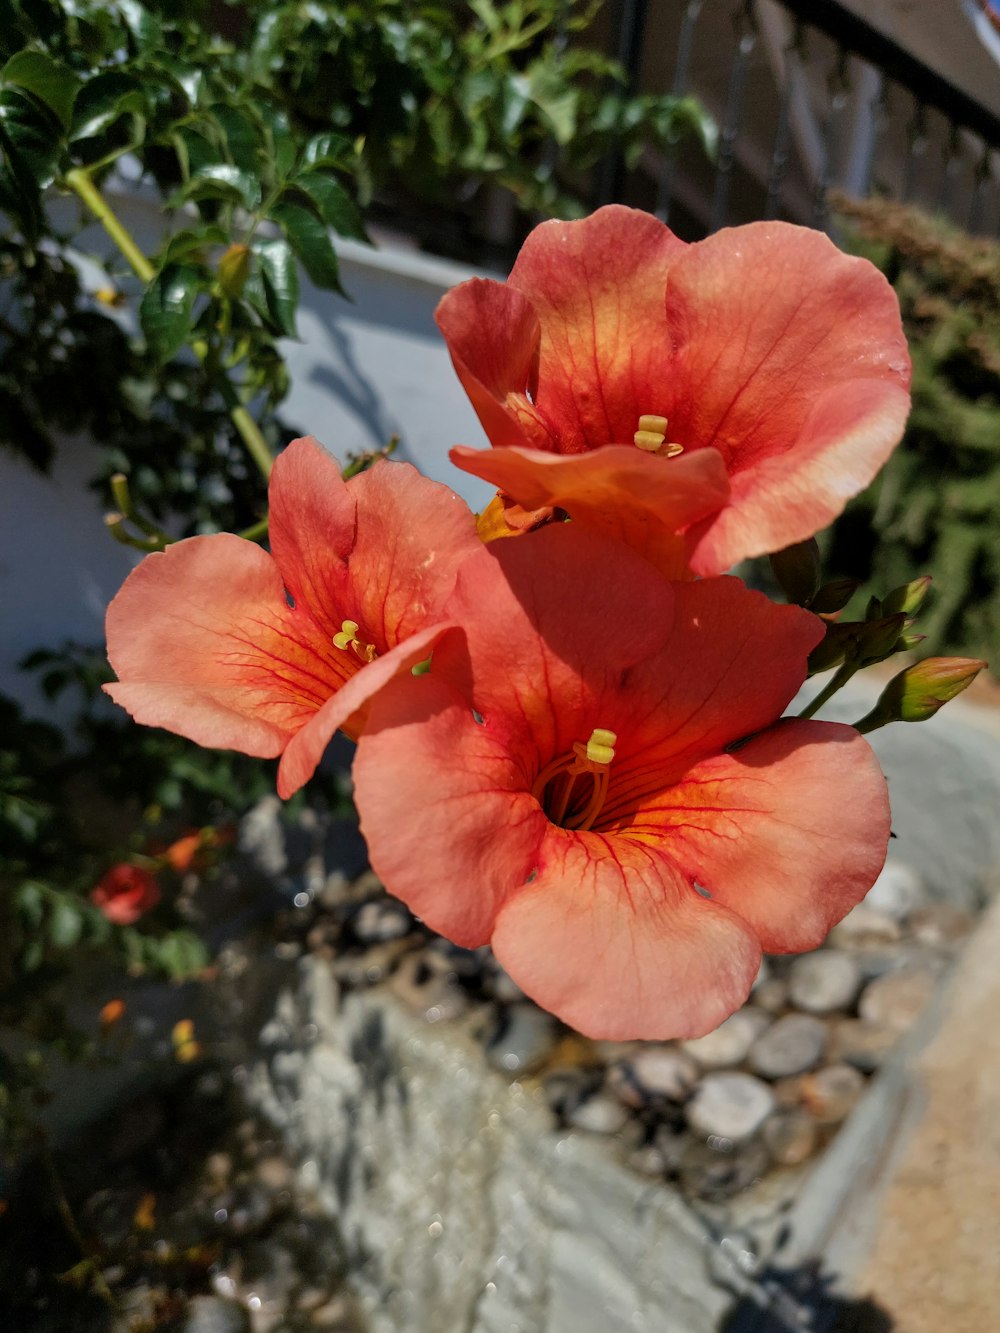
(672, 1144)
(430, 993)
(523, 1036)
(860, 1043)
(600, 1114)
(566, 1088)
(274, 1173)
(502, 986)
(715, 1175)
(940, 924)
(897, 891)
(865, 927)
(771, 996)
(653, 1075)
(729, 1106)
(831, 1093)
(647, 1160)
(452, 960)
(216, 1314)
(896, 1000)
(823, 982)
(792, 1045)
(729, 1043)
(381, 919)
(790, 1136)
(372, 966)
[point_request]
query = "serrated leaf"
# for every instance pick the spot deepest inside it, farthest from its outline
(45, 78)
(277, 296)
(219, 180)
(166, 308)
(307, 234)
(336, 207)
(101, 101)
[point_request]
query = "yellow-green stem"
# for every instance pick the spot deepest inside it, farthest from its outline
(79, 181)
(840, 678)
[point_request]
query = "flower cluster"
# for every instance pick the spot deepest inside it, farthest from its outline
(570, 745)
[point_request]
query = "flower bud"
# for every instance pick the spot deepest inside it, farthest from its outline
(233, 269)
(918, 692)
(834, 596)
(797, 570)
(877, 639)
(908, 598)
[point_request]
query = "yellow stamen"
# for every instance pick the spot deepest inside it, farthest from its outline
(651, 437)
(557, 782)
(347, 638)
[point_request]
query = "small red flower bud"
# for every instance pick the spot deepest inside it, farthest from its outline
(125, 893)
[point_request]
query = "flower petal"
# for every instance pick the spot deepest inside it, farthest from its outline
(645, 502)
(381, 549)
(595, 289)
(789, 831)
(614, 941)
(206, 645)
(785, 350)
(450, 827)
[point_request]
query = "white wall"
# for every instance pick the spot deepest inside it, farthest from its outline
(360, 373)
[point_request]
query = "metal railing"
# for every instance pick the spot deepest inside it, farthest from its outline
(809, 97)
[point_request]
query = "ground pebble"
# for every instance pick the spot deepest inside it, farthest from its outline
(790, 1046)
(381, 919)
(862, 1044)
(897, 999)
(647, 1160)
(600, 1114)
(771, 995)
(432, 994)
(898, 890)
(730, 1106)
(729, 1043)
(654, 1074)
(524, 1036)
(717, 1174)
(831, 1093)
(865, 927)
(790, 1136)
(823, 982)
(940, 924)
(216, 1314)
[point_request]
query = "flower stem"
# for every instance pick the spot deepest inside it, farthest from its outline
(80, 182)
(69, 1222)
(839, 678)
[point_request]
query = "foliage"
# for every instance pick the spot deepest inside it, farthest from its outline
(935, 505)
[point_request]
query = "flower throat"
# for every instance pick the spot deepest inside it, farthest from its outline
(572, 788)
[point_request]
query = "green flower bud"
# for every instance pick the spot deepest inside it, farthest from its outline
(918, 692)
(797, 570)
(908, 598)
(833, 597)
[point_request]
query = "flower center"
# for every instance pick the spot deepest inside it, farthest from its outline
(651, 438)
(572, 788)
(348, 640)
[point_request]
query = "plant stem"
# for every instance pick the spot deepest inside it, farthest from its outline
(79, 181)
(840, 678)
(69, 1221)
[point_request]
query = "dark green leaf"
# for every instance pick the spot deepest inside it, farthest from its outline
(219, 180)
(336, 207)
(181, 954)
(310, 240)
(165, 312)
(326, 150)
(48, 80)
(65, 923)
(193, 239)
(32, 136)
(103, 100)
(277, 296)
(243, 142)
(144, 28)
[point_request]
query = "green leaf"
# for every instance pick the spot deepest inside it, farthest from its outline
(335, 205)
(165, 312)
(219, 180)
(102, 100)
(65, 923)
(193, 239)
(48, 80)
(276, 296)
(308, 237)
(182, 954)
(242, 137)
(326, 150)
(32, 136)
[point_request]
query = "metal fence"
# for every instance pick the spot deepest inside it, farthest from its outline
(809, 97)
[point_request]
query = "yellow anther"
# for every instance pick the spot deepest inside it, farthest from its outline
(655, 425)
(557, 788)
(348, 634)
(600, 747)
(649, 440)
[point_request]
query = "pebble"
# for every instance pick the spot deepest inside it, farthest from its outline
(729, 1043)
(939, 924)
(860, 1043)
(823, 982)
(502, 986)
(523, 1036)
(381, 919)
(216, 1314)
(730, 1106)
(654, 1075)
(897, 891)
(370, 967)
(865, 927)
(831, 1093)
(790, 1136)
(647, 1160)
(896, 1000)
(672, 1145)
(771, 995)
(565, 1088)
(600, 1114)
(790, 1046)
(429, 993)
(714, 1174)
